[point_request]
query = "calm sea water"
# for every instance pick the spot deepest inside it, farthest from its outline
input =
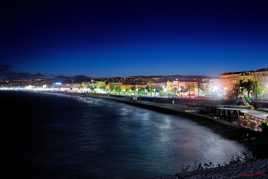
(85, 138)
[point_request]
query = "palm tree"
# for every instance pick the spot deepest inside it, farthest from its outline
(252, 87)
(246, 85)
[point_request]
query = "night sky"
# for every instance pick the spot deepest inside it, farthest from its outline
(123, 37)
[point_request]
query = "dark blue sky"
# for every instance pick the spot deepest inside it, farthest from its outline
(121, 37)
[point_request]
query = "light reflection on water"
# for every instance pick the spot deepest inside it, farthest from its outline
(103, 138)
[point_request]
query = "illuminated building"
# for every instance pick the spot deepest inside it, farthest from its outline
(230, 80)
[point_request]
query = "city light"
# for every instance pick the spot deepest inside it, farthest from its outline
(216, 89)
(101, 91)
(29, 87)
(58, 83)
(164, 89)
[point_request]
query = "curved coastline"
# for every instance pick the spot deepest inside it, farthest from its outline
(235, 169)
(257, 168)
(226, 130)
(178, 109)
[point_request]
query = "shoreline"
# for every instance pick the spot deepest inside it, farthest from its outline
(241, 135)
(183, 109)
(256, 168)
(234, 169)
(178, 109)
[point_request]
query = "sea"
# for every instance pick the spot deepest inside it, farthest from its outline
(64, 136)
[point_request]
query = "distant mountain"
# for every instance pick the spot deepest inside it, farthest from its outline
(21, 76)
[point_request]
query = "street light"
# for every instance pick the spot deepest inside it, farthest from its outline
(164, 89)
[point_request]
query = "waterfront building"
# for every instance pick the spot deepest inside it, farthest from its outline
(265, 83)
(230, 81)
(186, 89)
(190, 86)
(74, 87)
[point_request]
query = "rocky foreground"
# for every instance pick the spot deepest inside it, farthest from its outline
(255, 169)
